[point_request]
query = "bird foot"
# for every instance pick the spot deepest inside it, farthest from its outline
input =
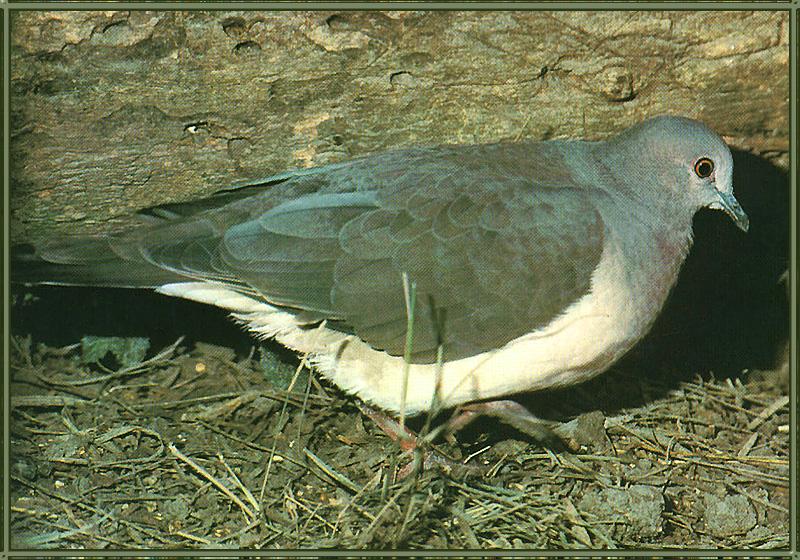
(518, 417)
(423, 457)
(508, 412)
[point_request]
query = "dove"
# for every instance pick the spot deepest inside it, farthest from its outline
(436, 276)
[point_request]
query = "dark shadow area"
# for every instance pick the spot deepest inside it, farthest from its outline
(730, 309)
(728, 313)
(58, 316)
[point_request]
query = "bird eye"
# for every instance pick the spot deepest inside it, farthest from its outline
(704, 167)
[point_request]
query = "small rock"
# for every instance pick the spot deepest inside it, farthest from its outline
(731, 515)
(629, 512)
(591, 430)
(127, 351)
(587, 431)
(403, 80)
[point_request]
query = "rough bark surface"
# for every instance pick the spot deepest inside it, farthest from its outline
(112, 111)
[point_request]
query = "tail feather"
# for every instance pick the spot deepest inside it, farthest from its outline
(86, 262)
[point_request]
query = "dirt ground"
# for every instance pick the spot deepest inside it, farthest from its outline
(119, 443)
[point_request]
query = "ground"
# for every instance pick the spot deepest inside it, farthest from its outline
(118, 445)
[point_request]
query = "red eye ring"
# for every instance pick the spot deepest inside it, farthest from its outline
(704, 167)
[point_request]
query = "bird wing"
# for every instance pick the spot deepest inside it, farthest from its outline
(498, 239)
(495, 249)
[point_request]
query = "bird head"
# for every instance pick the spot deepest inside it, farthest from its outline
(685, 160)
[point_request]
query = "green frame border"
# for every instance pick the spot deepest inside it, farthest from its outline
(791, 6)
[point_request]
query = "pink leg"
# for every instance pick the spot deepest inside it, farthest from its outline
(389, 426)
(509, 412)
(408, 441)
(512, 414)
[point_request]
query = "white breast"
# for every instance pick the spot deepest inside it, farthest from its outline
(586, 339)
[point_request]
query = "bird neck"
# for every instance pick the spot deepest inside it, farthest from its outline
(658, 224)
(655, 245)
(643, 184)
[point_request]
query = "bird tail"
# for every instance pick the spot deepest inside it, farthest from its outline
(86, 261)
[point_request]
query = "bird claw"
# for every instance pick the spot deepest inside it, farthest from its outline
(424, 457)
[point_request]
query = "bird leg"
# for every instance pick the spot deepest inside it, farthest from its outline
(513, 414)
(405, 438)
(510, 413)
(411, 442)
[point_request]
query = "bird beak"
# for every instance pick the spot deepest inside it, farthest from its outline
(727, 203)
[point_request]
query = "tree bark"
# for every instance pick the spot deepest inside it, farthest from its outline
(113, 111)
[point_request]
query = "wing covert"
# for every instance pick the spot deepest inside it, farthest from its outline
(499, 240)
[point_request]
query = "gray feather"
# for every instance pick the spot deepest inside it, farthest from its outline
(498, 239)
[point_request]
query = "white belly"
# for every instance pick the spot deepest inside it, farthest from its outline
(585, 340)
